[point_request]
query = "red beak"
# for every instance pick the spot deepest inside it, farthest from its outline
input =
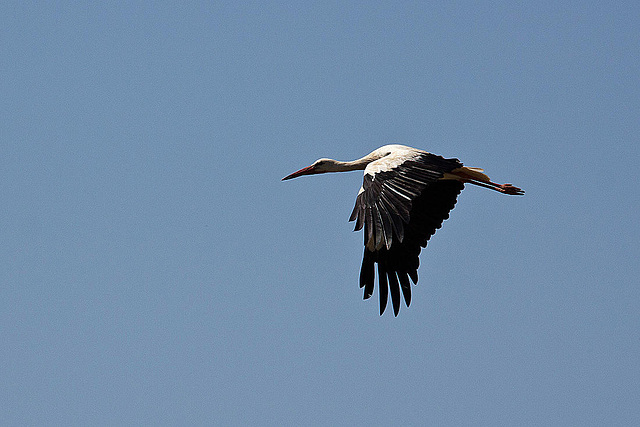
(309, 170)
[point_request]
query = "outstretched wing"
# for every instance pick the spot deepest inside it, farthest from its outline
(401, 205)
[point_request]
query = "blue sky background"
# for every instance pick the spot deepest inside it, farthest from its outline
(156, 270)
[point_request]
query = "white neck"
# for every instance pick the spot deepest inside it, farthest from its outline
(331, 165)
(338, 166)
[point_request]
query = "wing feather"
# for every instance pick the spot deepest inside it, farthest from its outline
(384, 287)
(387, 226)
(367, 274)
(406, 286)
(378, 225)
(394, 289)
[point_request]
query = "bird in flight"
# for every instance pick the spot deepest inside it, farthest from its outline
(406, 195)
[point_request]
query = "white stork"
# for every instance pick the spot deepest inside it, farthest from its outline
(406, 195)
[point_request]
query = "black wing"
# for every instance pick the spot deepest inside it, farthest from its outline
(400, 210)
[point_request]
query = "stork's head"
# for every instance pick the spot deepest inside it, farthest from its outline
(319, 166)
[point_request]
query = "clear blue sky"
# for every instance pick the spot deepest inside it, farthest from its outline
(154, 268)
